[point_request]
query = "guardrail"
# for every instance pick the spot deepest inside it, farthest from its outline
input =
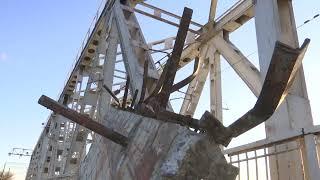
(263, 160)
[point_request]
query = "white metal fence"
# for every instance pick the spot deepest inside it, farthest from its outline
(276, 160)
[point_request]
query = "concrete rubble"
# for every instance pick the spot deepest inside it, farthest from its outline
(157, 150)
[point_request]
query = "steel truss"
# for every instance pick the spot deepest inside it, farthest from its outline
(114, 56)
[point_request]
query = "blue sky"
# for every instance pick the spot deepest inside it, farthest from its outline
(39, 41)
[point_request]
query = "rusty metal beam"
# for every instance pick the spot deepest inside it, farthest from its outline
(283, 66)
(182, 120)
(214, 128)
(126, 91)
(111, 93)
(208, 124)
(173, 61)
(285, 61)
(159, 84)
(187, 80)
(83, 121)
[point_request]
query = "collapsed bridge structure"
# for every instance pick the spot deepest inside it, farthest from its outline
(110, 126)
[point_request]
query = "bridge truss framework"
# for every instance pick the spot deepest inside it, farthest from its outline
(115, 49)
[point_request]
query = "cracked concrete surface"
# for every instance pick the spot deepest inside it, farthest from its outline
(156, 151)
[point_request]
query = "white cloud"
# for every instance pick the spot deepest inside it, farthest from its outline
(3, 56)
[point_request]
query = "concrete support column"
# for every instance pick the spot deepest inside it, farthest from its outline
(275, 21)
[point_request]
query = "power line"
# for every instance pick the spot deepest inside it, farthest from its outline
(20, 152)
(308, 20)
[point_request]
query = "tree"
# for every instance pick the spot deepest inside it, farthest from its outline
(6, 175)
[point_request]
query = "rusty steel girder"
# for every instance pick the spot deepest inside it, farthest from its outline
(174, 59)
(187, 80)
(126, 91)
(166, 80)
(83, 120)
(283, 67)
(113, 95)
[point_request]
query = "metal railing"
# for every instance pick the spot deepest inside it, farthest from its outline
(265, 160)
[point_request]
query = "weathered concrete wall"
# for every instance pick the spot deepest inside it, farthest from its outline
(157, 150)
